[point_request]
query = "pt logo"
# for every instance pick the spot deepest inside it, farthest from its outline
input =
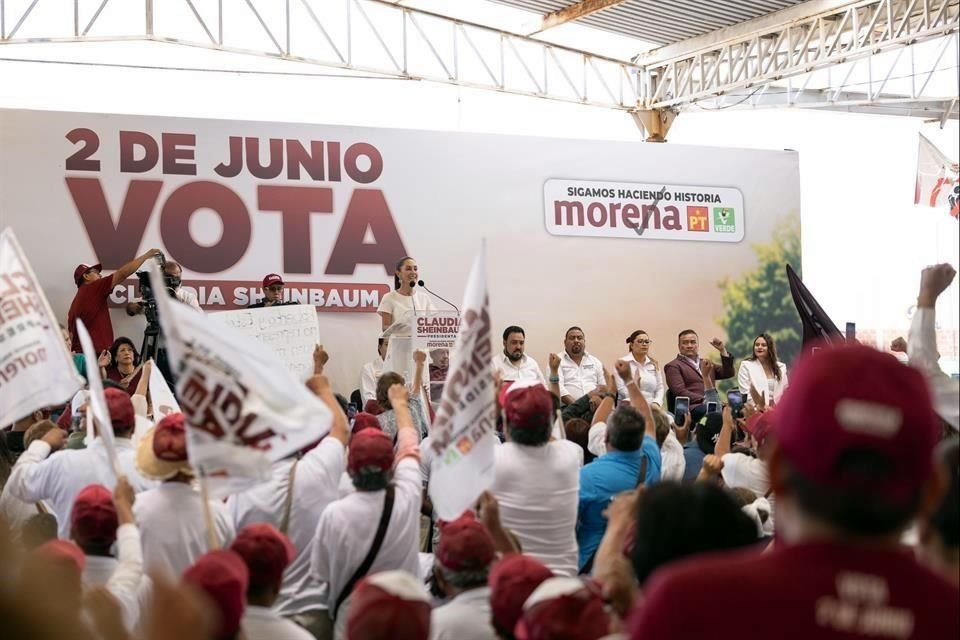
(724, 220)
(698, 219)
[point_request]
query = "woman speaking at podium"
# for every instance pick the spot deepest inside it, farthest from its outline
(399, 304)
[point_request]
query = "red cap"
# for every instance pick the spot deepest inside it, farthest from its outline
(224, 577)
(760, 426)
(370, 448)
(271, 279)
(62, 551)
(81, 271)
(563, 609)
(391, 605)
(857, 398)
(93, 519)
(170, 439)
(121, 409)
(512, 580)
(364, 420)
(528, 407)
(465, 545)
(372, 407)
(266, 552)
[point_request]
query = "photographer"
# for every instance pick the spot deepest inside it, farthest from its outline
(172, 273)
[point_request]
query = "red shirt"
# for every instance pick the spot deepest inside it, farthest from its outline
(90, 305)
(799, 592)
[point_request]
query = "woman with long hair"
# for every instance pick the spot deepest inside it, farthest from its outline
(405, 298)
(646, 370)
(763, 371)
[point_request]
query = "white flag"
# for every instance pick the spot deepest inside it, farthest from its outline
(163, 401)
(243, 408)
(97, 404)
(462, 435)
(938, 179)
(36, 371)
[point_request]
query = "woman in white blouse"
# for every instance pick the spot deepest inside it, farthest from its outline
(404, 299)
(646, 370)
(762, 370)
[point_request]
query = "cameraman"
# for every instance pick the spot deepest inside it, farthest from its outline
(171, 276)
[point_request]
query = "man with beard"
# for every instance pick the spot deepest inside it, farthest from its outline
(580, 373)
(513, 364)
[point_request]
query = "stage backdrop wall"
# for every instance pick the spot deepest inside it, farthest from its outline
(608, 236)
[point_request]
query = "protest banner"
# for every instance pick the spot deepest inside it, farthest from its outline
(462, 435)
(243, 408)
(161, 397)
(97, 402)
(36, 371)
(290, 332)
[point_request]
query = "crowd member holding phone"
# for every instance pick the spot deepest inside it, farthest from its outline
(685, 375)
(644, 370)
(762, 370)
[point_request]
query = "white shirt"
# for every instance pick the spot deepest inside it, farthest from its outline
(59, 478)
(741, 470)
(751, 371)
(538, 490)
(172, 525)
(16, 512)
(922, 348)
(466, 617)
(649, 379)
(261, 623)
(347, 527)
(401, 307)
(123, 575)
(369, 375)
(577, 380)
(672, 460)
(315, 486)
(526, 369)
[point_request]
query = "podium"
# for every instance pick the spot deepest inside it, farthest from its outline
(432, 331)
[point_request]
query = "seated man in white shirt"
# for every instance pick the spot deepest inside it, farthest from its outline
(537, 480)
(513, 363)
(580, 373)
(266, 552)
(371, 372)
(462, 566)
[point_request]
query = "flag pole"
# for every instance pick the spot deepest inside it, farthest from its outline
(213, 543)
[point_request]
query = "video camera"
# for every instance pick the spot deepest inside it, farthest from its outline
(171, 283)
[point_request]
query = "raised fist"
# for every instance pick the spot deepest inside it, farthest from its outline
(623, 370)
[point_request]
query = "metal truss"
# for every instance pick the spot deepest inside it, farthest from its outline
(752, 57)
(742, 66)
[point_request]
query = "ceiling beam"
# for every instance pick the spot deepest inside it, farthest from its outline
(576, 11)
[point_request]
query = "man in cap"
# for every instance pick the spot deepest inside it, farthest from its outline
(389, 492)
(174, 543)
(99, 521)
(462, 567)
(90, 303)
(272, 293)
(223, 576)
(391, 605)
(539, 507)
(512, 579)
(298, 491)
(266, 552)
(852, 467)
(562, 609)
(58, 479)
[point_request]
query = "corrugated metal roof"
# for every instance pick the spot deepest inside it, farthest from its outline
(663, 22)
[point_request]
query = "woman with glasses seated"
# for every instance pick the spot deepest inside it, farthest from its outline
(646, 370)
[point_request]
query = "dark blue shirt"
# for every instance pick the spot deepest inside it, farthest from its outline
(693, 455)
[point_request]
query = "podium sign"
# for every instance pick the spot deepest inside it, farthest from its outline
(435, 329)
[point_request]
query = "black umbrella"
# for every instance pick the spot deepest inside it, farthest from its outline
(817, 325)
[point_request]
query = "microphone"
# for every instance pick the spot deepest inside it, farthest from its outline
(435, 294)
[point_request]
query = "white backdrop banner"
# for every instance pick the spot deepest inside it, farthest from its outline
(290, 332)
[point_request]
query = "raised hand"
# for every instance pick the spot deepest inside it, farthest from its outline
(105, 359)
(934, 281)
(56, 438)
(419, 357)
(398, 393)
(623, 370)
(712, 465)
(554, 361)
(719, 345)
(320, 358)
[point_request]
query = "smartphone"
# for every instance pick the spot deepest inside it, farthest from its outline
(735, 400)
(713, 407)
(851, 331)
(681, 407)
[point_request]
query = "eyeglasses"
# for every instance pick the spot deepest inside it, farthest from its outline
(275, 288)
(644, 341)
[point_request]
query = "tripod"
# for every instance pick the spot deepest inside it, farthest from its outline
(151, 348)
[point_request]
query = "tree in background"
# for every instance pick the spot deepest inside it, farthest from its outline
(760, 302)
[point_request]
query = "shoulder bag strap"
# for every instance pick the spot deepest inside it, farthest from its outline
(371, 555)
(288, 504)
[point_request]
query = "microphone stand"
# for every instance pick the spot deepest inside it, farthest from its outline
(437, 295)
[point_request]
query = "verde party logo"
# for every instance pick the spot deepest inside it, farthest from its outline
(724, 220)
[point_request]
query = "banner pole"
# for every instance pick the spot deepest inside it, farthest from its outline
(213, 543)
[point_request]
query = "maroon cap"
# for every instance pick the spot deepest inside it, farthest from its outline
(62, 552)
(121, 409)
(512, 579)
(170, 439)
(224, 577)
(391, 605)
(370, 448)
(271, 279)
(528, 407)
(93, 519)
(266, 552)
(81, 271)
(856, 398)
(372, 407)
(760, 426)
(563, 609)
(364, 420)
(465, 545)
